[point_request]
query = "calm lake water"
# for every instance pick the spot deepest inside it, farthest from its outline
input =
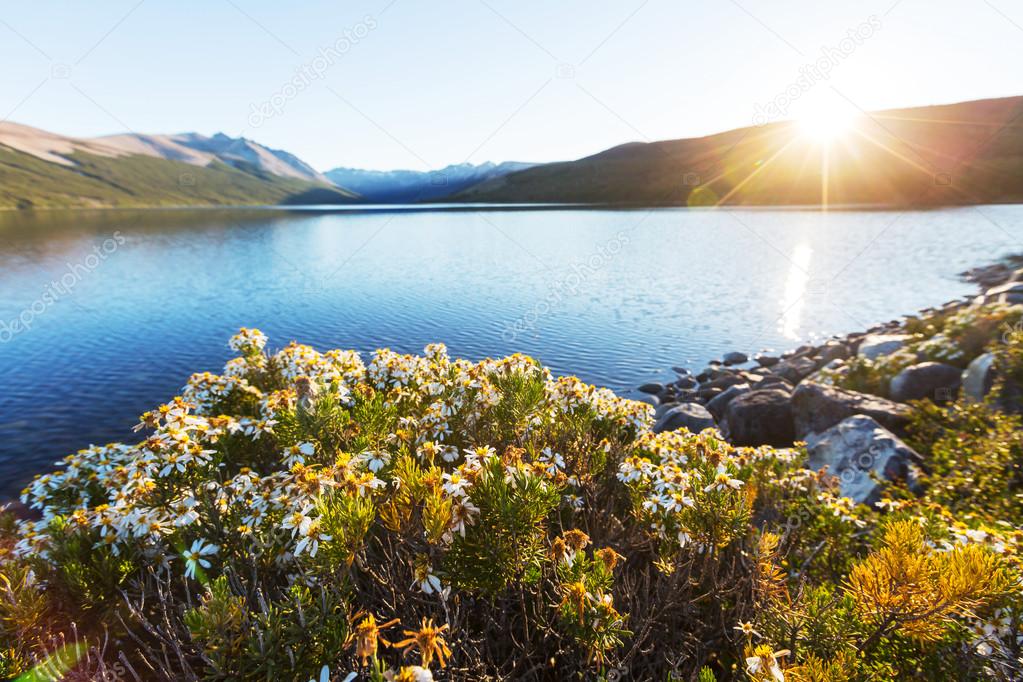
(121, 306)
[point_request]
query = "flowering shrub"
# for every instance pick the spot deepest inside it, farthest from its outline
(975, 459)
(422, 517)
(954, 338)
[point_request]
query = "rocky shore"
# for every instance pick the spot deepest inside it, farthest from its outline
(804, 395)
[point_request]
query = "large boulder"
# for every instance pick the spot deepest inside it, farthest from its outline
(717, 405)
(691, 416)
(775, 381)
(762, 417)
(708, 393)
(795, 369)
(934, 380)
(979, 377)
(659, 410)
(857, 450)
(874, 346)
(830, 352)
(818, 407)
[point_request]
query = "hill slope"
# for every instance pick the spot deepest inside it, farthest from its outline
(43, 170)
(201, 150)
(969, 152)
(410, 186)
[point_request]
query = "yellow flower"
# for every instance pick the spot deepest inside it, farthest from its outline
(575, 597)
(429, 641)
(367, 637)
(576, 539)
(608, 557)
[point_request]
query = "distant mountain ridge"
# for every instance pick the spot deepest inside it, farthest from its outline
(408, 186)
(964, 153)
(200, 150)
(40, 169)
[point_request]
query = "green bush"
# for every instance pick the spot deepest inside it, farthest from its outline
(974, 458)
(952, 337)
(302, 509)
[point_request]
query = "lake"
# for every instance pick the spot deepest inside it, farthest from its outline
(104, 314)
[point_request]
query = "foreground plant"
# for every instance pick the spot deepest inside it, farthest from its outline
(284, 515)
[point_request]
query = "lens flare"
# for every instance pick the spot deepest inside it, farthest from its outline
(826, 124)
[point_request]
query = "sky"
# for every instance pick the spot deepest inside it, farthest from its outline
(413, 84)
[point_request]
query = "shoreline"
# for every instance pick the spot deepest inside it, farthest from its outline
(441, 206)
(848, 398)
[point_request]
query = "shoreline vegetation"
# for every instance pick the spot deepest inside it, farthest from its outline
(845, 511)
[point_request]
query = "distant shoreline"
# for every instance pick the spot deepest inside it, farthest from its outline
(458, 206)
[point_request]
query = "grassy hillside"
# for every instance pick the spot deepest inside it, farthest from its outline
(962, 153)
(134, 181)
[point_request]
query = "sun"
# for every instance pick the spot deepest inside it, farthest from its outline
(826, 124)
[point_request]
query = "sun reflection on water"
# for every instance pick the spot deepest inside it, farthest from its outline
(795, 292)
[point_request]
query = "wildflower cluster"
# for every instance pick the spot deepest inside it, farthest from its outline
(305, 514)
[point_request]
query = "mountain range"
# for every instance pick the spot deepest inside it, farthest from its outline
(965, 153)
(200, 150)
(408, 186)
(39, 169)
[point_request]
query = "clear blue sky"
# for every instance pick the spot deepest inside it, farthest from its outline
(421, 84)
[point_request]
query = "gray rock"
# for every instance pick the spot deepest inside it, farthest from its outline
(680, 370)
(723, 381)
(833, 366)
(858, 449)
(762, 417)
(979, 377)
(662, 408)
(686, 382)
(719, 403)
(1010, 292)
(709, 393)
(754, 380)
(830, 352)
(817, 407)
(775, 381)
(795, 369)
(653, 388)
(707, 374)
(990, 275)
(934, 380)
(874, 346)
(691, 416)
(766, 360)
(648, 399)
(735, 358)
